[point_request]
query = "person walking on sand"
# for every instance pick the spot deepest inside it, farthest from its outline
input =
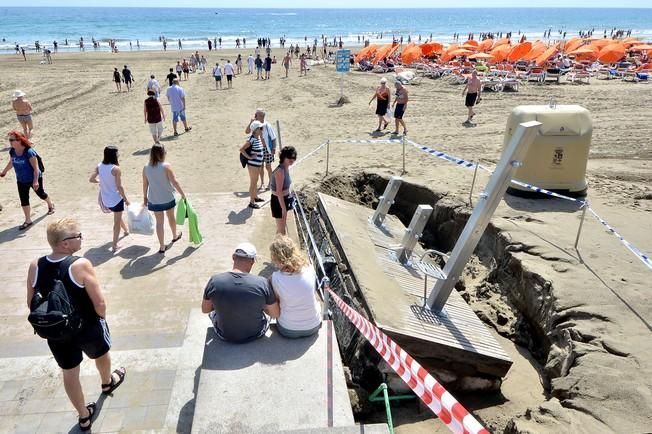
(252, 152)
(117, 79)
(127, 77)
(217, 74)
(268, 66)
(177, 99)
(92, 338)
(287, 62)
(238, 64)
(23, 109)
(153, 86)
(303, 66)
(228, 71)
(259, 66)
(400, 104)
(473, 89)
(154, 116)
(269, 142)
(179, 69)
(171, 76)
(186, 69)
(250, 65)
(159, 184)
(383, 99)
(112, 194)
(24, 160)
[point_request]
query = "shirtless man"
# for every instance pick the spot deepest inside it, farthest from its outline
(400, 104)
(23, 110)
(473, 90)
(287, 61)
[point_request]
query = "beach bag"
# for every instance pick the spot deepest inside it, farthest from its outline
(139, 220)
(52, 312)
(39, 160)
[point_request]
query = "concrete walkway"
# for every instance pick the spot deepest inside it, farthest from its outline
(153, 303)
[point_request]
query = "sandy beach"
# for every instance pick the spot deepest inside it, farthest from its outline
(600, 381)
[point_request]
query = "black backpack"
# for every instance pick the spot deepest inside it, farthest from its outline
(52, 311)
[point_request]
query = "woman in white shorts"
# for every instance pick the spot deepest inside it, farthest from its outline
(154, 116)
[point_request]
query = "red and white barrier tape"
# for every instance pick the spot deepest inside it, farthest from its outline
(424, 385)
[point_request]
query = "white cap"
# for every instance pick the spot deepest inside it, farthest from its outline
(245, 250)
(255, 125)
(18, 93)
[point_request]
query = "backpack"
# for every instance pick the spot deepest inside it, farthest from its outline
(52, 311)
(39, 160)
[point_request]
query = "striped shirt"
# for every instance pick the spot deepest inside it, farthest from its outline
(256, 152)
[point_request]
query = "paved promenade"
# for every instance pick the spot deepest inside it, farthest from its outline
(153, 304)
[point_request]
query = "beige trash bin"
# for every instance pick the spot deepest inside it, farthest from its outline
(557, 158)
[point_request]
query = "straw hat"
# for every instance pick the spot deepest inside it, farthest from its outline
(18, 94)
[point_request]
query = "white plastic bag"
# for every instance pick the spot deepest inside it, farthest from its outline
(140, 220)
(390, 114)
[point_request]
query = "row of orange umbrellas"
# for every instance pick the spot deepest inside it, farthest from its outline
(603, 50)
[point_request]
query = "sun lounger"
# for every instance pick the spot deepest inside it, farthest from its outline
(510, 83)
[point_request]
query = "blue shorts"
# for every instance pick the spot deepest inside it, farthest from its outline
(161, 206)
(178, 115)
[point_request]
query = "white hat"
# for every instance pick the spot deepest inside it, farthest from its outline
(18, 93)
(245, 250)
(383, 80)
(255, 125)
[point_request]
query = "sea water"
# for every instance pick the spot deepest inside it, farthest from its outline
(194, 26)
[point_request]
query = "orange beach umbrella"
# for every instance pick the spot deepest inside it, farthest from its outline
(573, 44)
(543, 58)
(500, 53)
(601, 43)
(537, 49)
(382, 53)
(501, 42)
(612, 53)
(480, 56)
(519, 51)
(472, 42)
(366, 52)
(486, 45)
(411, 54)
(642, 47)
(468, 46)
(431, 48)
(586, 52)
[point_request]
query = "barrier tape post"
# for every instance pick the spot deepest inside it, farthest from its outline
(475, 174)
(328, 154)
(326, 284)
(579, 229)
(403, 143)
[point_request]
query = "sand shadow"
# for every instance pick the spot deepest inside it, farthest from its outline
(541, 204)
(169, 138)
(240, 217)
(241, 194)
(141, 152)
(467, 124)
(13, 232)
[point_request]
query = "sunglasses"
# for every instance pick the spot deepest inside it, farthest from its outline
(13, 139)
(78, 236)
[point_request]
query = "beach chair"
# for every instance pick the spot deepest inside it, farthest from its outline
(537, 75)
(510, 84)
(579, 75)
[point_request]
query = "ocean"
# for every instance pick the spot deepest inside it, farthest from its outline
(193, 26)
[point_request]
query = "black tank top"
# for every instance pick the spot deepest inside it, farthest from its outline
(49, 270)
(153, 110)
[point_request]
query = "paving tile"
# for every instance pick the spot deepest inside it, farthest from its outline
(134, 419)
(9, 390)
(113, 419)
(155, 417)
(58, 423)
(27, 423)
(165, 379)
(8, 408)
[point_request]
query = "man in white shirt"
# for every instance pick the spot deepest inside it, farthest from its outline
(250, 64)
(177, 98)
(228, 71)
(269, 144)
(152, 85)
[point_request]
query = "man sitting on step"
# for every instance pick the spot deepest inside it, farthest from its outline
(239, 304)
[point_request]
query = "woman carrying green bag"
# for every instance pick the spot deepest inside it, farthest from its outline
(185, 210)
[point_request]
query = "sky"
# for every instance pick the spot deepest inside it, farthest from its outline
(335, 3)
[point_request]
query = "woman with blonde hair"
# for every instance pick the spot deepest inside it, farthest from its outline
(294, 285)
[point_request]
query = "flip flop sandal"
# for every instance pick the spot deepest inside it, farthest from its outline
(91, 406)
(25, 225)
(174, 240)
(120, 372)
(51, 210)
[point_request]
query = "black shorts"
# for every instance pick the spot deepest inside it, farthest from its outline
(119, 207)
(218, 78)
(399, 110)
(471, 98)
(94, 340)
(275, 204)
(229, 77)
(25, 187)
